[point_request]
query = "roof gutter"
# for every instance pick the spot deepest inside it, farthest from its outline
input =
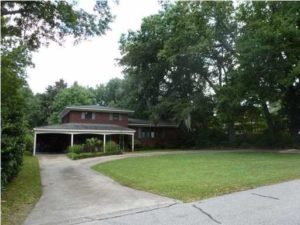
(68, 109)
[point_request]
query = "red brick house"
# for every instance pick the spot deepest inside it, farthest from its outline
(107, 123)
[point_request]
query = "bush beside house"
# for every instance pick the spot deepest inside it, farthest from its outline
(93, 148)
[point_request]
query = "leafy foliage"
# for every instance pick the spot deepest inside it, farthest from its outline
(111, 147)
(25, 26)
(218, 70)
(91, 148)
(13, 126)
(46, 21)
(93, 145)
(75, 95)
(76, 149)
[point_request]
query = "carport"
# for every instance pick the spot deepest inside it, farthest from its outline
(72, 129)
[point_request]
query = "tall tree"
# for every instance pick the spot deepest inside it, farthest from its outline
(46, 99)
(268, 53)
(37, 22)
(13, 124)
(25, 26)
(182, 54)
(74, 95)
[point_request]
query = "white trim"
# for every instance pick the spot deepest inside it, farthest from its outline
(75, 131)
(132, 142)
(66, 110)
(104, 142)
(72, 140)
(34, 143)
(150, 125)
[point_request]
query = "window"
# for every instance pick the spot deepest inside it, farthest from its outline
(146, 133)
(88, 116)
(116, 116)
(152, 134)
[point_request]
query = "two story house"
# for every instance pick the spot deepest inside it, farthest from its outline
(106, 123)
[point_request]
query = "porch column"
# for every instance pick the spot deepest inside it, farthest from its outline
(34, 144)
(132, 142)
(104, 142)
(72, 139)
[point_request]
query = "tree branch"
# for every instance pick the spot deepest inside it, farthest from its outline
(5, 12)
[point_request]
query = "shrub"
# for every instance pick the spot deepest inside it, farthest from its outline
(12, 149)
(92, 145)
(112, 146)
(75, 149)
(28, 142)
(84, 155)
(137, 144)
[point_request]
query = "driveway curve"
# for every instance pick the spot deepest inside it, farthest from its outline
(72, 192)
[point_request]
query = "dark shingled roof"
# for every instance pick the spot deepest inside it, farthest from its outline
(85, 126)
(139, 122)
(93, 108)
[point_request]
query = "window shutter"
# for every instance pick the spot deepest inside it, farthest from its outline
(110, 116)
(93, 116)
(120, 116)
(82, 116)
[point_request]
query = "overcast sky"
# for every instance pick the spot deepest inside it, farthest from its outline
(90, 62)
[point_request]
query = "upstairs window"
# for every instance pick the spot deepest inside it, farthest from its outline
(115, 116)
(88, 116)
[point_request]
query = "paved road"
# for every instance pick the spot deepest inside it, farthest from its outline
(270, 205)
(74, 194)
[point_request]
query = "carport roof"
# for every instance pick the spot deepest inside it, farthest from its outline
(76, 127)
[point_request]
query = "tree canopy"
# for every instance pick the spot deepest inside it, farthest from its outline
(25, 26)
(229, 74)
(214, 65)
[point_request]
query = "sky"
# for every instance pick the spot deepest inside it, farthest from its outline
(94, 61)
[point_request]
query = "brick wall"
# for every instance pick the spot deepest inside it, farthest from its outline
(100, 117)
(165, 136)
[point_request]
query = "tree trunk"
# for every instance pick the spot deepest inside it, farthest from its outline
(231, 132)
(268, 117)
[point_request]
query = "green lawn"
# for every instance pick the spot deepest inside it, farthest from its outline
(22, 193)
(191, 177)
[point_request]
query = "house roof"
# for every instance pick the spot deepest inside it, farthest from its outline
(147, 123)
(93, 108)
(84, 127)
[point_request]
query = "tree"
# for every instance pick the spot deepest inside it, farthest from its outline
(34, 23)
(183, 54)
(226, 67)
(110, 94)
(13, 125)
(268, 54)
(46, 99)
(25, 26)
(291, 107)
(74, 95)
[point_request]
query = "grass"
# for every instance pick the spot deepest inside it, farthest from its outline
(22, 193)
(190, 177)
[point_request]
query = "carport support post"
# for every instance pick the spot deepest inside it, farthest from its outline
(104, 142)
(132, 142)
(72, 140)
(34, 143)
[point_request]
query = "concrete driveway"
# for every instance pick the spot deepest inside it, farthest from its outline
(75, 194)
(72, 192)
